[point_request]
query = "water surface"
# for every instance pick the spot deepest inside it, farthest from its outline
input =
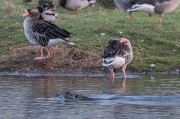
(139, 97)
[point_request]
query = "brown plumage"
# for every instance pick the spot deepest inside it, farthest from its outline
(47, 5)
(117, 54)
(149, 6)
(43, 33)
(47, 15)
(24, 1)
(75, 5)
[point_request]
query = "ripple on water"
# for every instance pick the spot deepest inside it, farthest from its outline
(139, 97)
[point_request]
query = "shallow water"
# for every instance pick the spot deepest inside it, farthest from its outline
(137, 97)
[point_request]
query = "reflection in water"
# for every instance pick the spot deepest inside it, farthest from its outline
(140, 97)
(46, 88)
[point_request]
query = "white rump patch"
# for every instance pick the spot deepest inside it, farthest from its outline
(114, 62)
(143, 7)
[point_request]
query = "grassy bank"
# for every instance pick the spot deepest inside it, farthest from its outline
(151, 45)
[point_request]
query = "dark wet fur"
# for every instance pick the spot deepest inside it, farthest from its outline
(77, 97)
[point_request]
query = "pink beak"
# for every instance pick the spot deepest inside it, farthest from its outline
(124, 41)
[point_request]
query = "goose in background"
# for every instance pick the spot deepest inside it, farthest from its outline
(118, 54)
(47, 5)
(47, 15)
(24, 1)
(154, 7)
(75, 5)
(43, 33)
(124, 5)
(149, 6)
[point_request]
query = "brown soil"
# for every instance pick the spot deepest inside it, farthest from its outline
(64, 60)
(61, 60)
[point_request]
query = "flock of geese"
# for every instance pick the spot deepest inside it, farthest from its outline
(117, 54)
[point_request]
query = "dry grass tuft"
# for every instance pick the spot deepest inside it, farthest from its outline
(10, 8)
(61, 59)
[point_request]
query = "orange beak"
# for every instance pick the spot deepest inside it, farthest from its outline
(124, 41)
(26, 14)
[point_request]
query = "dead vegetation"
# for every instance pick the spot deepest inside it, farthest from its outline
(63, 60)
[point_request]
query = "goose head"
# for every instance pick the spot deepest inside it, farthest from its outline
(122, 40)
(117, 41)
(33, 13)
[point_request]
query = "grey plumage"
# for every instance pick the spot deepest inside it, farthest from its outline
(41, 32)
(47, 15)
(75, 5)
(47, 5)
(160, 6)
(149, 6)
(116, 54)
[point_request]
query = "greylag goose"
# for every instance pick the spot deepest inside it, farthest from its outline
(47, 15)
(154, 7)
(124, 5)
(149, 6)
(47, 5)
(24, 1)
(118, 54)
(43, 33)
(75, 5)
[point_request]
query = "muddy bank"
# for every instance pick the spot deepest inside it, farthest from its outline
(62, 60)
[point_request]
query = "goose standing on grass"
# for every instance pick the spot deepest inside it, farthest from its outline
(124, 5)
(47, 15)
(154, 7)
(47, 5)
(24, 1)
(149, 6)
(118, 54)
(43, 33)
(75, 5)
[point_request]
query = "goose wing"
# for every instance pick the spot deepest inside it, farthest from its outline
(151, 2)
(121, 50)
(126, 53)
(47, 30)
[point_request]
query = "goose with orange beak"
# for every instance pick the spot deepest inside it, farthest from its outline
(43, 33)
(118, 54)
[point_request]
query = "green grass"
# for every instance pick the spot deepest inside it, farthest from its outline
(151, 45)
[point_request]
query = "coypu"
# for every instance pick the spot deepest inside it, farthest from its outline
(77, 97)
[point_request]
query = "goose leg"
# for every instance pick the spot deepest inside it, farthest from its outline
(123, 70)
(48, 53)
(150, 15)
(112, 80)
(131, 14)
(124, 83)
(42, 56)
(77, 10)
(112, 73)
(159, 24)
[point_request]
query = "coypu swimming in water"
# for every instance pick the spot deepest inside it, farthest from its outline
(69, 96)
(77, 97)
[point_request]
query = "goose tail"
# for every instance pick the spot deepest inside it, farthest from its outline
(143, 7)
(68, 41)
(71, 43)
(135, 8)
